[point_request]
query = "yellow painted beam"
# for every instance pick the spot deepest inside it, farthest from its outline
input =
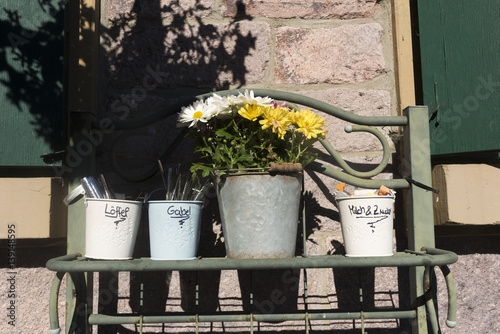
(403, 51)
(33, 207)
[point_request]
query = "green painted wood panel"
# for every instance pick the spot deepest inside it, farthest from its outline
(460, 56)
(31, 81)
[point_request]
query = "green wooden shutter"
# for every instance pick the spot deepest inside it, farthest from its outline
(460, 56)
(31, 81)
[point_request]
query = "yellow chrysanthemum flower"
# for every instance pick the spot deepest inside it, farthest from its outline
(279, 119)
(309, 123)
(251, 111)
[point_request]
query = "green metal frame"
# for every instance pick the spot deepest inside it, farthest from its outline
(75, 264)
(421, 257)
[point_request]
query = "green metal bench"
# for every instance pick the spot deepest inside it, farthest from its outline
(421, 257)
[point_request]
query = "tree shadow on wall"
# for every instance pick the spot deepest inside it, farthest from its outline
(175, 41)
(32, 72)
(156, 55)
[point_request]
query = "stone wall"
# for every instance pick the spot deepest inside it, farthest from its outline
(158, 51)
(154, 52)
(339, 52)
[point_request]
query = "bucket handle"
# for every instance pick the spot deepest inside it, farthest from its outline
(74, 195)
(148, 195)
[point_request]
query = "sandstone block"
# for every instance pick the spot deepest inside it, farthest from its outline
(306, 9)
(349, 54)
(163, 9)
(360, 102)
(189, 56)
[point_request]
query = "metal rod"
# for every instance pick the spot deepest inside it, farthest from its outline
(343, 164)
(107, 190)
(53, 303)
(362, 317)
(174, 108)
(102, 319)
(162, 174)
(95, 187)
(451, 319)
(90, 188)
(70, 263)
(356, 181)
(169, 183)
(197, 299)
(307, 320)
(429, 300)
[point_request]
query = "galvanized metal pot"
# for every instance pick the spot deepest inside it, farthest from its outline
(259, 213)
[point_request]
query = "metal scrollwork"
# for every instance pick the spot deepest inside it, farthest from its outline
(361, 128)
(350, 175)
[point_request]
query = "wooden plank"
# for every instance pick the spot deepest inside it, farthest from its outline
(31, 81)
(460, 75)
(46, 216)
(403, 51)
(467, 194)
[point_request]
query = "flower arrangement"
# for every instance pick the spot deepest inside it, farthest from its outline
(247, 131)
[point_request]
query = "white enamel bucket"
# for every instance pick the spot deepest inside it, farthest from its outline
(111, 228)
(174, 229)
(367, 224)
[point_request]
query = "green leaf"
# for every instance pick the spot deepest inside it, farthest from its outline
(204, 150)
(205, 170)
(224, 134)
(217, 157)
(245, 157)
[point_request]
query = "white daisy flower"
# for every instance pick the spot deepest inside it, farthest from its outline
(250, 98)
(222, 104)
(196, 112)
